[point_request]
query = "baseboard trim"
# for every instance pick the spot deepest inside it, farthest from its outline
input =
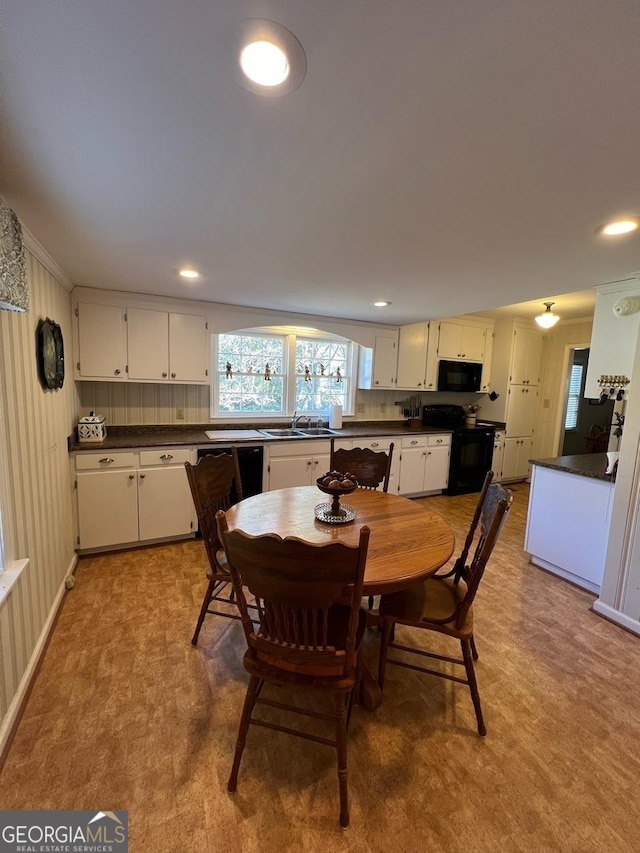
(12, 718)
(613, 615)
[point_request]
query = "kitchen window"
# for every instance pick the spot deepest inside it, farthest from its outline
(267, 373)
(573, 398)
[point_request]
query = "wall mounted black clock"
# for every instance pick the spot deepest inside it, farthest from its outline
(50, 354)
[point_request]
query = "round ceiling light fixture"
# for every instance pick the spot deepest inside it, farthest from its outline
(547, 319)
(620, 226)
(271, 59)
(189, 273)
(382, 303)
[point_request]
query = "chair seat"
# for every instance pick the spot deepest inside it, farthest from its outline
(222, 568)
(279, 672)
(423, 603)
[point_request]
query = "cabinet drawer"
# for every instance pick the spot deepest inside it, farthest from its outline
(298, 447)
(376, 444)
(105, 460)
(165, 456)
(414, 441)
(439, 440)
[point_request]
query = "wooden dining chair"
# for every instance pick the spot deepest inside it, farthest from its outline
(215, 485)
(308, 631)
(370, 468)
(445, 604)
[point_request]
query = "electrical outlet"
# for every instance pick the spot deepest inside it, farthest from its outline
(546, 404)
(179, 413)
(360, 408)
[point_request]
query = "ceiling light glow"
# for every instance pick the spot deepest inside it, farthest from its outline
(380, 304)
(265, 63)
(188, 273)
(547, 319)
(620, 226)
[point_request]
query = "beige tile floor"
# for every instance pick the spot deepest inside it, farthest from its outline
(125, 714)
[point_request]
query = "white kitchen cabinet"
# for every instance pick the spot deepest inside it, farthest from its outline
(378, 365)
(129, 343)
(296, 463)
(614, 337)
(424, 464)
(526, 357)
(166, 346)
(460, 340)
(101, 342)
(497, 459)
(418, 357)
(129, 497)
(379, 444)
(515, 462)
(522, 409)
(485, 378)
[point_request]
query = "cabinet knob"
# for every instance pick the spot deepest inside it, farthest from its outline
(428, 453)
(414, 441)
(106, 460)
(377, 382)
(425, 453)
(438, 441)
(173, 376)
(117, 371)
(374, 444)
(309, 462)
(142, 476)
(164, 375)
(131, 477)
(431, 385)
(316, 461)
(167, 456)
(463, 355)
(419, 384)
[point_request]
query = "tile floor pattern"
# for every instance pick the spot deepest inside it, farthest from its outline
(125, 714)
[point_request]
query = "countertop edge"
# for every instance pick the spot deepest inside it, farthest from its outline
(592, 465)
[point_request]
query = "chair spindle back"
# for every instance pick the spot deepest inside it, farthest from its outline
(370, 468)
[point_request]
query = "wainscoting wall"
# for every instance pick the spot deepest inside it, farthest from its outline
(37, 507)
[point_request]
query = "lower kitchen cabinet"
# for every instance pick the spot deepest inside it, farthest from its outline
(497, 460)
(129, 497)
(515, 462)
(296, 463)
(424, 464)
(379, 444)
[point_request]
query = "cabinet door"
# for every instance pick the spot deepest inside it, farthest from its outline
(148, 344)
(165, 506)
(473, 341)
(450, 340)
(485, 379)
(187, 348)
(496, 462)
(534, 358)
(436, 475)
(320, 466)
(510, 459)
(526, 358)
(525, 449)
(101, 342)
(522, 410)
(385, 358)
(107, 508)
(412, 468)
(412, 355)
(288, 471)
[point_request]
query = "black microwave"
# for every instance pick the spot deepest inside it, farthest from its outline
(459, 375)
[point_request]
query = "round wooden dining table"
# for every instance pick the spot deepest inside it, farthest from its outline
(408, 542)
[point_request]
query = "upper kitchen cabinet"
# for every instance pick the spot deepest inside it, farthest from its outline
(124, 342)
(166, 346)
(417, 358)
(378, 365)
(100, 342)
(616, 324)
(526, 357)
(459, 339)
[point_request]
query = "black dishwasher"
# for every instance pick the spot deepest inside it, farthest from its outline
(250, 461)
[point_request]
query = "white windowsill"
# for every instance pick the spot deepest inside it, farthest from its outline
(8, 577)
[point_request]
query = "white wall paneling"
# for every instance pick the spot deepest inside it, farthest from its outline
(40, 525)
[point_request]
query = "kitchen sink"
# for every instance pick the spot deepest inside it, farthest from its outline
(285, 432)
(318, 431)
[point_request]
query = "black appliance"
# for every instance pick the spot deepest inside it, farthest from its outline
(250, 462)
(459, 375)
(471, 447)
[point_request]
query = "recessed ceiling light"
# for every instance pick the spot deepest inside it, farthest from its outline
(189, 273)
(271, 59)
(380, 304)
(265, 63)
(620, 226)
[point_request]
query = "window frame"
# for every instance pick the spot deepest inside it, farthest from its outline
(291, 334)
(577, 396)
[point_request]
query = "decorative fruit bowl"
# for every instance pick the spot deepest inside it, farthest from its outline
(336, 484)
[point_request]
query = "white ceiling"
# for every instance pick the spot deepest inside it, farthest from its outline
(452, 157)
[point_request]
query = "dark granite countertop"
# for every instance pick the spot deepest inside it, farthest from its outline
(584, 465)
(127, 437)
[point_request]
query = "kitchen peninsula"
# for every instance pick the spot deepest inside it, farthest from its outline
(569, 516)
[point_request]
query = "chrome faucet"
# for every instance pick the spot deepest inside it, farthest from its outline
(296, 418)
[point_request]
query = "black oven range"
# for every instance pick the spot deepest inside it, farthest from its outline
(471, 447)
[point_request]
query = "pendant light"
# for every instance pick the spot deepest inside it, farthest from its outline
(547, 319)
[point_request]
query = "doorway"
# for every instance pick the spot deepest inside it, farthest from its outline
(582, 418)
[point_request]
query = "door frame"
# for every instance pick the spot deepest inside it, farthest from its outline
(565, 375)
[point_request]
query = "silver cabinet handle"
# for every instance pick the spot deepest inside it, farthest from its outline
(106, 460)
(414, 441)
(167, 456)
(117, 371)
(374, 444)
(438, 441)
(131, 477)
